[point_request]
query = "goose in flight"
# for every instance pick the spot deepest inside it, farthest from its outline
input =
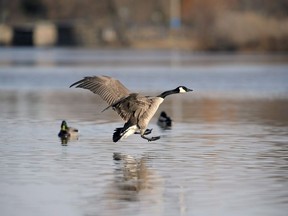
(135, 109)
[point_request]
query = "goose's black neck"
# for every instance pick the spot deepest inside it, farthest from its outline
(166, 93)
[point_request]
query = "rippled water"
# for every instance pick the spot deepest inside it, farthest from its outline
(226, 154)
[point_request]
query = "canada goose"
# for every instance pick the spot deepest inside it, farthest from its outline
(67, 132)
(135, 109)
(164, 121)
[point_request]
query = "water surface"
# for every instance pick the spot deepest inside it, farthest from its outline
(226, 153)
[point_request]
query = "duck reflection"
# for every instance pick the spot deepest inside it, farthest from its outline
(65, 140)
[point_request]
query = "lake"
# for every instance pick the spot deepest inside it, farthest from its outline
(226, 153)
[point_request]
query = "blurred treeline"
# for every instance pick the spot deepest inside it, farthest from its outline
(234, 25)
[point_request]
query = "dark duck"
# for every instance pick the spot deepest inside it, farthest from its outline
(164, 121)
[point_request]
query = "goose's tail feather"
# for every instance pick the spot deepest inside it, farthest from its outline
(117, 134)
(124, 132)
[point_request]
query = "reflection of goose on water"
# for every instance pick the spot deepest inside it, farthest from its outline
(164, 121)
(134, 180)
(135, 109)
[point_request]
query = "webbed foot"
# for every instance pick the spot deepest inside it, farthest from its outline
(154, 138)
(150, 139)
(147, 131)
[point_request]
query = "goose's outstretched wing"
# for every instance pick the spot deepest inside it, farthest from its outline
(108, 88)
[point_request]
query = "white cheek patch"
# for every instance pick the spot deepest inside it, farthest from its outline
(181, 90)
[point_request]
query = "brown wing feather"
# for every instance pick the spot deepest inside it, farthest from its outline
(108, 88)
(136, 105)
(126, 107)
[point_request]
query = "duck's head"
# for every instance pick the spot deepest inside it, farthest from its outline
(64, 126)
(183, 89)
(163, 114)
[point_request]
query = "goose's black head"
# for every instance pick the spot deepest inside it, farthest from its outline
(182, 89)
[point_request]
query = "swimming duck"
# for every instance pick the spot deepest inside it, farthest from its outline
(67, 132)
(164, 121)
